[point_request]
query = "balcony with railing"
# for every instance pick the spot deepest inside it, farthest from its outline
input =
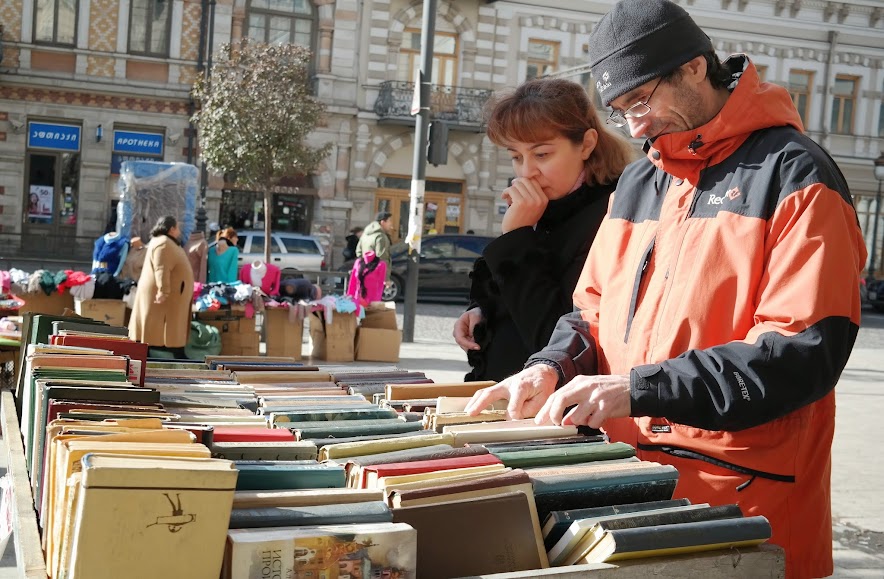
(458, 106)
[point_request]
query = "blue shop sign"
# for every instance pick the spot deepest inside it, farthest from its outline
(54, 136)
(117, 159)
(138, 143)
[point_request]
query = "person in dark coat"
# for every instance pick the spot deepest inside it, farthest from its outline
(352, 241)
(567, 165)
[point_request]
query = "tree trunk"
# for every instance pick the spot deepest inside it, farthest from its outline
(268, 202)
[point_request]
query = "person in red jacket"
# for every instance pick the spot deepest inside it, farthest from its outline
(719, 303)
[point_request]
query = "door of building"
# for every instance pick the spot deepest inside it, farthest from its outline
(50, 206)
(443, 205)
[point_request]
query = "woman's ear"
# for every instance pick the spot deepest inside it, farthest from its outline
(590, 140)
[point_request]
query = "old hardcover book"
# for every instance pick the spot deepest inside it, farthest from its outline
(328, 514)
(144, 518)
(508, 431)
(330, 414)
(570, 544)
(391, 482)
(249, 434)
(274, 377)
(565, 454)
(557, 522)
(303, 497)
(446, 404)
(373, 473)
(666, 540)
(541, 443)
(445, 478)
(283, 450)
(322, 442)
(355, 465)
(686, 514)
(348, 428)
(446, 491)
(437, 421)
(414, 391)
(475, 537)
(382, 550)
(270, 475)
(346, 450)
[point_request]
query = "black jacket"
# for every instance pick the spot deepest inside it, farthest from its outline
(525, 279)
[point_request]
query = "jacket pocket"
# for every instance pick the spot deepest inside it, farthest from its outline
(686, 453)
(636, 288)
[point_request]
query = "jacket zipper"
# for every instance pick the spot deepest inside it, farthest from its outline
(639, 276)
(692, 454)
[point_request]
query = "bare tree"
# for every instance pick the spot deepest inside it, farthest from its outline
(256, 111)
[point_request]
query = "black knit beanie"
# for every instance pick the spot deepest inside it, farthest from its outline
(640, 40)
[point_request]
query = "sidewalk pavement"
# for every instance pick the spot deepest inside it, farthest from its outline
(857, 469)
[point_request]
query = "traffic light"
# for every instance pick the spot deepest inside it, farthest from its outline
(437, 150)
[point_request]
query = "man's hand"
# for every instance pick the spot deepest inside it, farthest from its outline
(525, 391)
(597, 398)
(526, 201)
(463, 329)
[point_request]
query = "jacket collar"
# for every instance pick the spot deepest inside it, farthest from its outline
(559, 210)
(752, 106)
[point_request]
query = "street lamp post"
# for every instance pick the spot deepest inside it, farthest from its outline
(879, 175)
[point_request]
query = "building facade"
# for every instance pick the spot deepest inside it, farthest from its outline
(86, 84)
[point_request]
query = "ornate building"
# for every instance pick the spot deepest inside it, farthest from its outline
(109, 80)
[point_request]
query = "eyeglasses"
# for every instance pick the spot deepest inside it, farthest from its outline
(636, 111)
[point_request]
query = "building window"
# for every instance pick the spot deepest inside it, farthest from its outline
(149, 27)
(843, 103)
(543, 57)
(281, 22)
(55, 21)
(800, 87)
(445, 51)
(762, 72)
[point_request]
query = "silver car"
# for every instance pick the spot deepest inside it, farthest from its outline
(290, 252)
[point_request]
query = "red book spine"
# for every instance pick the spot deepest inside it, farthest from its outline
(422, 466)
(237, 434)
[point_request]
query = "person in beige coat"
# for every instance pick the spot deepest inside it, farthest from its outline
(161, 316)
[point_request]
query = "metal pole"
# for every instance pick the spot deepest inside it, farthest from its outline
(418, 181)
(201, 214)
(873, 257)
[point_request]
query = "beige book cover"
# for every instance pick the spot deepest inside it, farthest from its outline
(304, 498)
(276, 377)
(446, 404)
(449, 480)
(68, 462)
(415, 391)
(507, 431)
(151, 518)
(349, 449)
(391, 481)
(438, 420)
(70, 512)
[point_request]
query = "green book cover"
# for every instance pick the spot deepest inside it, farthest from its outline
(277, 475)
(565, 454)
(330, 413)
(339, 430)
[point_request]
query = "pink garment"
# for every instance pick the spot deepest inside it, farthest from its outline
(367, 279)
(270, 282)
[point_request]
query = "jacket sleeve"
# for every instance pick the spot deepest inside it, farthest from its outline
(528, 284)
(382, 250)
(806, 321)
(161, 257)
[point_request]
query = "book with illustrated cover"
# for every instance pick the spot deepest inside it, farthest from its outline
(384, 550)
(151, 517)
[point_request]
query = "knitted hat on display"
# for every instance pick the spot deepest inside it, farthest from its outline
(640, 40)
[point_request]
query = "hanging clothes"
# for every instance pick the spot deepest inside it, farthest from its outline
(109, 253)
(266, 275)
(367, 279)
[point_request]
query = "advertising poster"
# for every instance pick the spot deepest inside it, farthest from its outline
(40, 203)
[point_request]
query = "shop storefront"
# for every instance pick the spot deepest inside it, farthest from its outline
(52, 185)
(245, 210)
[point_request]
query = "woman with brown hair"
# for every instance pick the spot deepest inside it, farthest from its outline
(161, 314)
(566, 165)
(223, 258)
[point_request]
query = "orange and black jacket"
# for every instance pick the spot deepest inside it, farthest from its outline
(724, 281)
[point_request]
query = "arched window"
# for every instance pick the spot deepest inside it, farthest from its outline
(281, 22)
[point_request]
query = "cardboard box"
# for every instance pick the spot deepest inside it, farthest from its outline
(40, 303)
(112, 312)
(282, 337)
(378, 344)
(238, 335)
(333, 342)
(380, 315)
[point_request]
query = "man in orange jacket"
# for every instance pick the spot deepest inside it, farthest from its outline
(719, 302)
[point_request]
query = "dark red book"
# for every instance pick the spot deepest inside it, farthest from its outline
(374, 472)
(251, 434)
(134, 350)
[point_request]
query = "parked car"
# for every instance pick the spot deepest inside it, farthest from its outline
(291, 252)
(446, 261)
(875, 294)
